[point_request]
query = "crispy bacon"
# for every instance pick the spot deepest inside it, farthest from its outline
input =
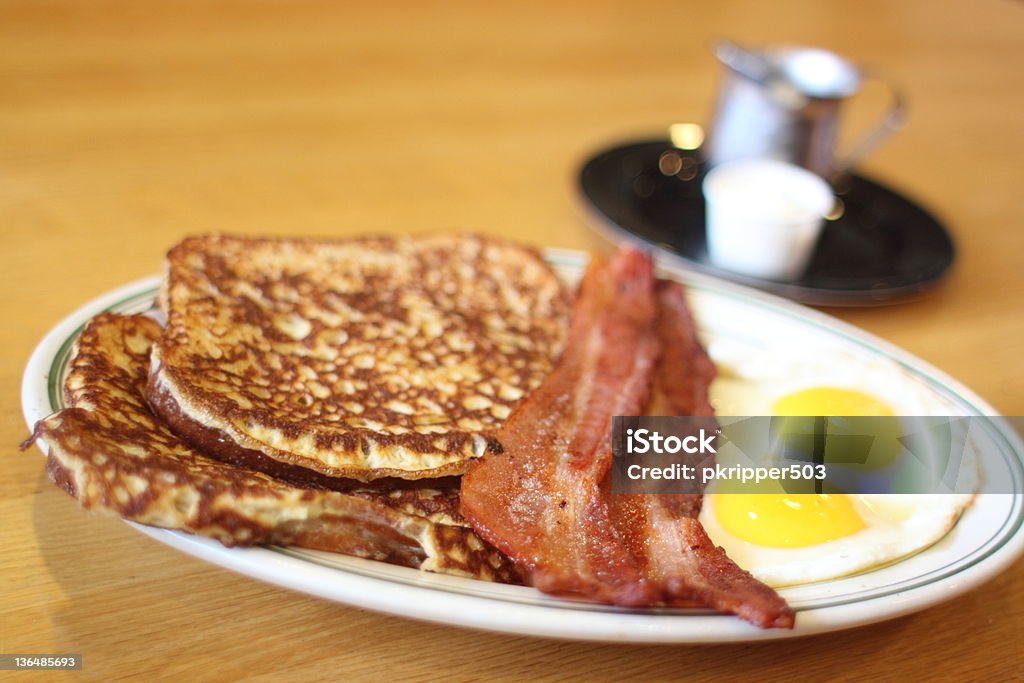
(685, 567)
(545, 500)
(540, 500)
(661, 531)
(685, 371)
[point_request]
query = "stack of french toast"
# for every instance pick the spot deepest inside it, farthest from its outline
(324, 394)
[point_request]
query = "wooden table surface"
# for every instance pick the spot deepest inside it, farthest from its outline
(125, 126)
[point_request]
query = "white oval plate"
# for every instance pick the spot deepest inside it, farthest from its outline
(986, 540)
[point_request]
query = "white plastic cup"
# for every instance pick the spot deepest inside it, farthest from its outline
(763, 217)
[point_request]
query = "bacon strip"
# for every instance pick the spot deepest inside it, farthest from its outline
(685, 567)
(685, 371)
(545, 502)
(540, 500)
(661, 531)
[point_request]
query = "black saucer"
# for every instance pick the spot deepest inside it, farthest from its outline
(883, 247)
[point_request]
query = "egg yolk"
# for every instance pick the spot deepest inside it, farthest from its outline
(796, 520)
(830, 401)
(787, 520)
(836, 402)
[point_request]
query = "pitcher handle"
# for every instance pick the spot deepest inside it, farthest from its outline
(892, 121)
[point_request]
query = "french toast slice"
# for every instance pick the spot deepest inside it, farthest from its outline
(110, 451)
(324, 361)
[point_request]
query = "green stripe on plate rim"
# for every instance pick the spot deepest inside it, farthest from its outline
(1010, 526)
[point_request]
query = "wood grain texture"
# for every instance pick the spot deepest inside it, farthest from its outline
(125, 126)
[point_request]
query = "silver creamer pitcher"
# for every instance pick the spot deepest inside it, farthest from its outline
(783, 103)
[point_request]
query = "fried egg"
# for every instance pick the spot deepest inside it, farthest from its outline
(786, 539)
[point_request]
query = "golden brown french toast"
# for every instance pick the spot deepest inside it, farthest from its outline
(319, 361)
(109, 450)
